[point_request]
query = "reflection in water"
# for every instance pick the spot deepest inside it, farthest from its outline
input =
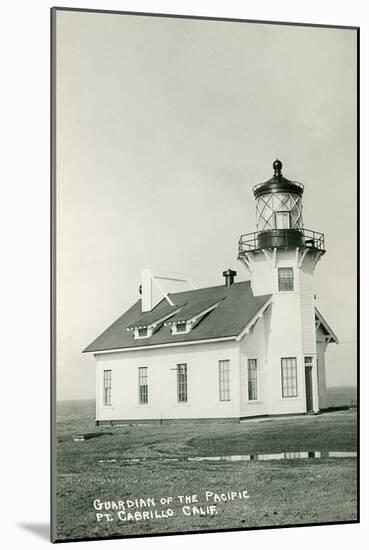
(85, 437)
(292, 455)
(342, 454)
(278, 456)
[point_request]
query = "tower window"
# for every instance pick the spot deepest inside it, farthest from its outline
(289, 376)
(282, 220)
(182, 383)
(252, 379)
(224, 381)
(143, 388)
(285, 278)
(107, 388)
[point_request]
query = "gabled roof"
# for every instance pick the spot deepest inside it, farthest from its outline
(237, 308)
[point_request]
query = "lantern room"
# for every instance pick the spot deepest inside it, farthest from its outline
(279, 220)
(278, 202)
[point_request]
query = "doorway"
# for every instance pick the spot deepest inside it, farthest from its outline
(309, 388)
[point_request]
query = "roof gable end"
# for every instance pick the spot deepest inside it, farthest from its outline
(321, 322)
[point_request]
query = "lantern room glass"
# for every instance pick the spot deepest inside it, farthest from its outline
(279, 211)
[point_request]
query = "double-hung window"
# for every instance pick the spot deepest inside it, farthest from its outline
(252, 378)
(285, 278)
(289, 376)
(182, 383)
(224, 380)
(143, 388)
(107, 388)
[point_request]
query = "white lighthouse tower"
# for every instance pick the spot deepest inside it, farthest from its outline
(281, 257)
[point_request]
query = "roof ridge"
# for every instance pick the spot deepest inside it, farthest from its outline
(208, 288)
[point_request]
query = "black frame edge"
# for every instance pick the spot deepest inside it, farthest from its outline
(203, 17)
(53, 274)
(53, 13)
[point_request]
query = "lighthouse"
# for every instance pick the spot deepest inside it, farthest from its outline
(281, 257)
(236, 350)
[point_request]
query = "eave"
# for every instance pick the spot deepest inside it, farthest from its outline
(254, 320)
(166, 345)
(321, 322)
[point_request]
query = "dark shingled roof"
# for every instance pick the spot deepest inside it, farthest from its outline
(228, 319)
(192, 310)
(151, 317)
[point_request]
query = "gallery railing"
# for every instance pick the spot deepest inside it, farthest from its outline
(281, 238)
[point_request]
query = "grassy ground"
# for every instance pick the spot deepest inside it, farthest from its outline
(280, 493)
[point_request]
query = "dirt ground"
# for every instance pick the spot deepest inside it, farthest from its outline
(152, 462)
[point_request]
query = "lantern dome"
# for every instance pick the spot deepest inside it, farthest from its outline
(278, 184)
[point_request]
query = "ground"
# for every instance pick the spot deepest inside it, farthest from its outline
(152, 461)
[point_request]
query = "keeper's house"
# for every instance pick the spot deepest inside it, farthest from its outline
(227, 352)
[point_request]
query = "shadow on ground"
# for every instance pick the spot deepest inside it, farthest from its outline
(42, 530)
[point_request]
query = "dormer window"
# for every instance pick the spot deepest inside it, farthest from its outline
(190, 317)
(182, 326)
(151, 322)
(142, 332)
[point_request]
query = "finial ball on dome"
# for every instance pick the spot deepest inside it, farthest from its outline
(277, 165)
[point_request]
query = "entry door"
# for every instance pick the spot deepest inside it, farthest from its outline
(309, 389)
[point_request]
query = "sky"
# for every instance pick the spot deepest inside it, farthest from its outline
(163, 127)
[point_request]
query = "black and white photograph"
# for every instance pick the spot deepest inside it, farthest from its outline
(205, 229)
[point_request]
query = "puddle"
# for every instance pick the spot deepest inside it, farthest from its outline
(293, 455)
(123, 460)
(85, 437)
(276, 456)
(342, 454)
(140, 460)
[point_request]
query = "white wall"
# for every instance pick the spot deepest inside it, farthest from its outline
(262, 281)
(276, 335)
(285, 339)
(203, 383)
(253, 346)
(291, 330)
(321, 347)
(307, 305)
